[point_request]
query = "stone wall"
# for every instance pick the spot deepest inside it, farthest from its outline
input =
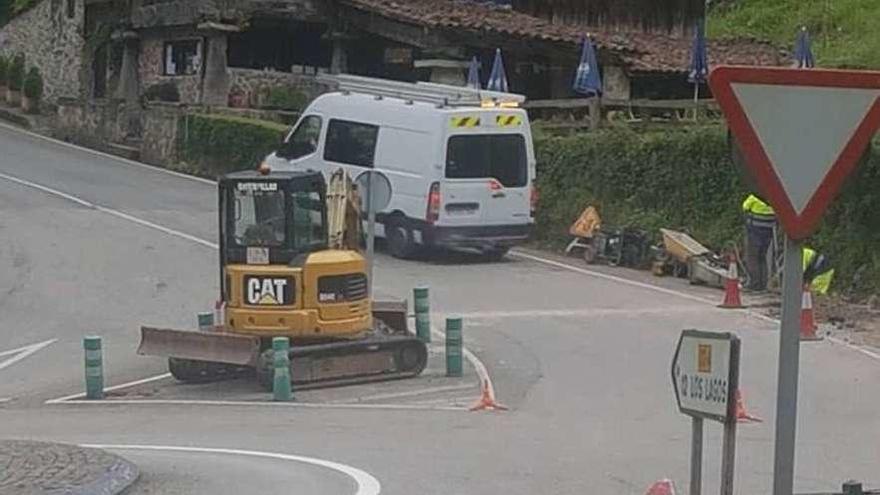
(151, 66)
(92, 124)
(253, 85)
(51, 41)
(160, 133)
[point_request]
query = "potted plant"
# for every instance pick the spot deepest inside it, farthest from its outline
(14, 80)
(33, 91)
(4, 66)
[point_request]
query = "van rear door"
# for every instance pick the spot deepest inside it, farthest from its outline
(487, 180)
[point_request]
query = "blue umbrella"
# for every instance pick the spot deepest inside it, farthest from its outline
(803, 54)
(473, 80)
(699, 69)
(587, 80)
(497, 79)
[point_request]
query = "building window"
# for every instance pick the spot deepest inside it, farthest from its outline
(71, 9)
(351, 143)
(183, 57)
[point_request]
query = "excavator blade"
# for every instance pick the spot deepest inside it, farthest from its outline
(215, 347)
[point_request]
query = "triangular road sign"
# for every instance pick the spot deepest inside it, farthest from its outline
(802, 132)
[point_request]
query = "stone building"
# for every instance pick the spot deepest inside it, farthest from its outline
(228, 52)
(51, 36)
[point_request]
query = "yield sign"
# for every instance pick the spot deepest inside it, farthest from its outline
(802, 132)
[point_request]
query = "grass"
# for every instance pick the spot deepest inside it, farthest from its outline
(844, 32)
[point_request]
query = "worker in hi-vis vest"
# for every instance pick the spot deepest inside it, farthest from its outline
(760, 222)
(817, 271)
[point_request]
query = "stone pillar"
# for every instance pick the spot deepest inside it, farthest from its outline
(128, 89)
(339, 61)
(216, 81)
(452, 72)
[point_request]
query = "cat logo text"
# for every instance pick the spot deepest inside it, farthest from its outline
(268, 291)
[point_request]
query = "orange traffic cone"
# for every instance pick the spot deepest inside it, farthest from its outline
(661, 487)
(743, 416)
(732, 299)
(487, 401)
(808, 319)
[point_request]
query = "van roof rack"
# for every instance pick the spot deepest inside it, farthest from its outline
(439, 94)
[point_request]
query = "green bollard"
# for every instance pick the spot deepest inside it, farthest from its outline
(281, 389)
(454, 343)
(206, 321)
(423, 314)
(94, 368)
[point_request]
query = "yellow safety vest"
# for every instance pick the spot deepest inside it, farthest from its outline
(822, 282)
(756, 206)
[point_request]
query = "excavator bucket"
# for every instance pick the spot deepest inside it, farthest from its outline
(215, 347)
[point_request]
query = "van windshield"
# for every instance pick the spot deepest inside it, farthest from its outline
(499, 156)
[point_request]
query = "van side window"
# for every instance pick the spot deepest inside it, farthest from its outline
(351, 143)
(304, 140)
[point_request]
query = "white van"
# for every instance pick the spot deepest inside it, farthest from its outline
(460, 161)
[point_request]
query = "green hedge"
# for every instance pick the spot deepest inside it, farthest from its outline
(685, 179)
(212, 145)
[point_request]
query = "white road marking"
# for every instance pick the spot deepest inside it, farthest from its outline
(366, 483)
(613, 278)
(107, 155)
(580, 312)
(23, 352)
(398, 395)
(673, 292)
(472, 358)
(4, 400)
(111, 389)
(110, 211)
(242, 403)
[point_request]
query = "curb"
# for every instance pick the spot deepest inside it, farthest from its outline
(115, 479)
(15, 118)
(29, 467)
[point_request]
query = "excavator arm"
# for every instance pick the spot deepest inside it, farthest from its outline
(343, 213)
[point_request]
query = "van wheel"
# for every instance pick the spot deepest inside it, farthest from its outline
(399, 240)
(496, 253)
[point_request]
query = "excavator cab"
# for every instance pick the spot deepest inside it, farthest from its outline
(290, 267)
(271, 219)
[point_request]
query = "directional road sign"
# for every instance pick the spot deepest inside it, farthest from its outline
(802, 132)
(705, 372)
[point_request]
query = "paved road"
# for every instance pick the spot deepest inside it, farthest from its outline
(583, 361)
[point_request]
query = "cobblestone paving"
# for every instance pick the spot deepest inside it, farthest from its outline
(31, 468)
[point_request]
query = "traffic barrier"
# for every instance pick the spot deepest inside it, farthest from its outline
(454, 347)
(487, 400)
(94, 364)
(808, 318)
(732, 298)
(743, 416)
(206, 321)
(281, 387)
(422, 304)
(661, 487)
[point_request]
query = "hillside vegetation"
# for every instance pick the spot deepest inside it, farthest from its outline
(844, 32)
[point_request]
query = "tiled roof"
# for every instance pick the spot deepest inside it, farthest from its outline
(640, 51)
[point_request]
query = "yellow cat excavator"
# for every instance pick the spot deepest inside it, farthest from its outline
(290, 266)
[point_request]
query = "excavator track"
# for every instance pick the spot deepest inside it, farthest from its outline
(194, 371)
(381, 356)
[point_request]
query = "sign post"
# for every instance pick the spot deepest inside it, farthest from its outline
(377, 195)
(705, 378)
(801, 132)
